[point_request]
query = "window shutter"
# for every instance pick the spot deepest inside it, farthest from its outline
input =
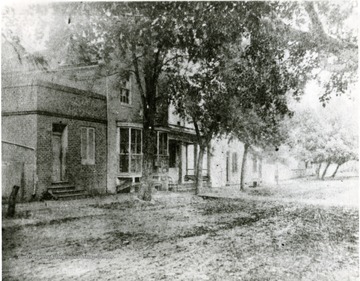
(91, 146)
(83, 145)
(234, 164)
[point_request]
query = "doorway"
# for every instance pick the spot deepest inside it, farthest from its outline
(175, 171)
(59, 148)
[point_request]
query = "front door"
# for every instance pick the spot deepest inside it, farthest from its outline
(58, 142)
(57, 157)
(174, 159)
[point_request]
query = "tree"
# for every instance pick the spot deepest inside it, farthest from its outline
(200, 97)
(327, 135)
(244, 84)
(342, 143)
(157, 34)
(326, 33)
(259, 80)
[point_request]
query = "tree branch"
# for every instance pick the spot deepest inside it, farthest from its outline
(169, 60)
(333, 44)
(197, 130)
(137, 74)
(157, 66)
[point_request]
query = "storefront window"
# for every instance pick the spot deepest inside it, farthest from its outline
(130, 150)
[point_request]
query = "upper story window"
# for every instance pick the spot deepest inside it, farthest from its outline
(87, 146)
(130, 150)
(125, 92)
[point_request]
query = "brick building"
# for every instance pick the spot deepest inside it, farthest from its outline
(64, 127)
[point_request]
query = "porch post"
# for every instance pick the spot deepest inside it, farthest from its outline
(180, 150)
(195, 158)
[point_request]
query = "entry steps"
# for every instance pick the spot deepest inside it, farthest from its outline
(65, 191)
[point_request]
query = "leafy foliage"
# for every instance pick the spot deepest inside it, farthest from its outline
(327, 137)
(327, 33)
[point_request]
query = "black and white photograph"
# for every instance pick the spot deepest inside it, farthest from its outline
(180, 140)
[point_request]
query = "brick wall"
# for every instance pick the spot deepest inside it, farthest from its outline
(89, 177)
(61, 96)
(69, 101)
(118, 112)
(19, 98)
(28, 114)
(20, 129)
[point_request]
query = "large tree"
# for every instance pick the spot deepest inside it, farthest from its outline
(324, 136)
(326, 34)
(260, 80)
(240, 91)
(200, 97)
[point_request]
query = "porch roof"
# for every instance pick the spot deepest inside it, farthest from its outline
(178, 133)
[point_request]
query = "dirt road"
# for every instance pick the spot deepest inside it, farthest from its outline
(183, 237)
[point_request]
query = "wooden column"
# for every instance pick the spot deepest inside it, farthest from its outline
(179, 152)
(195, 158)
(209, 164)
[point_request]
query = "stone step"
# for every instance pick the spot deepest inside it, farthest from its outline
(62, 188)
(59, 186)
(186, 189)
(73, 196)
(65, 192)
(60, 183)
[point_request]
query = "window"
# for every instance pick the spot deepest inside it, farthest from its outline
(234, 162)
(205, 163)
(162, 144)
(192, 156)
(190, 159)
(130, 150)
(87, 146)
(125, 91)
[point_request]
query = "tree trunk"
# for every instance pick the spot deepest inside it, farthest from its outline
(12, 201)
(318, 171)
(199, 177)
(243, 167)
(149, 137)
(149, 143)
(327, 166)
(337, 168)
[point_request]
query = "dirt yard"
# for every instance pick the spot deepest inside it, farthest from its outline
(288, 232)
